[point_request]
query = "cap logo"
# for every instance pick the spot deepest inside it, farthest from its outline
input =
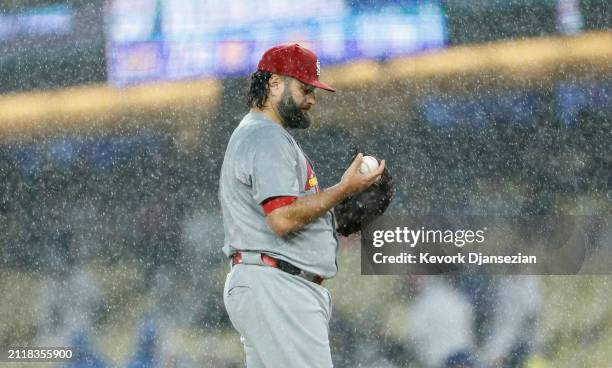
(318, 68)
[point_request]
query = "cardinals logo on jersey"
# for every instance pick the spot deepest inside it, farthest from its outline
(311, 178)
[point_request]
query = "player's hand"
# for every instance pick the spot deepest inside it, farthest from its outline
(355, 182)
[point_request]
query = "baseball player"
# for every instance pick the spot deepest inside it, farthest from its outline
(280, 232)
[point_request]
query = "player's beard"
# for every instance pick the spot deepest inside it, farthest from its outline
(292, 114)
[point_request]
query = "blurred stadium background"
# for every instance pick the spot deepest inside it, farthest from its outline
(114, 117)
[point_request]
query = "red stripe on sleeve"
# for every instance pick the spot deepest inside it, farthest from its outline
(273, 203)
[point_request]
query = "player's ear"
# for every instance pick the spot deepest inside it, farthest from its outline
(276, 84)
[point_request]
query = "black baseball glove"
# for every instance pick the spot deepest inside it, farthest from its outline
(355, 212)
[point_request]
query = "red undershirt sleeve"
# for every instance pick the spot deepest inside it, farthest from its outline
(273, 203)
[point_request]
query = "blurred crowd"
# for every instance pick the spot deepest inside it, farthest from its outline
(125, 227)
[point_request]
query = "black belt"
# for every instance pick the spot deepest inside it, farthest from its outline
(281, 265)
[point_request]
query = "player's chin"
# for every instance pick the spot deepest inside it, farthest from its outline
(301, 122)
(304, 124)
(307, 120)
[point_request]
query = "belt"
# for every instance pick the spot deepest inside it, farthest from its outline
(281, 265)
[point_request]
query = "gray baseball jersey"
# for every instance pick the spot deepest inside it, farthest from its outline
(263, 161)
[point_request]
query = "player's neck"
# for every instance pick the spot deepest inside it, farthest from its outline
(271, 113)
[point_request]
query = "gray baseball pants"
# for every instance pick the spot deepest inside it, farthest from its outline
(283, 319)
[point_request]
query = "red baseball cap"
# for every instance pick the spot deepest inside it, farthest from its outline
(294, 61)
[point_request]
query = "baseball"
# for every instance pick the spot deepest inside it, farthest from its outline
(368, 164)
